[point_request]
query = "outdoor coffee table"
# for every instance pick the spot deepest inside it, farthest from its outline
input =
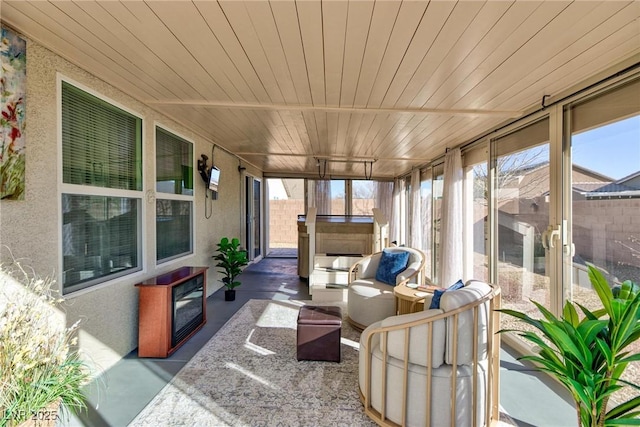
(409, 299)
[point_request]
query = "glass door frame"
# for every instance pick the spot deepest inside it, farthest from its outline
(251, 230)
(557, 218)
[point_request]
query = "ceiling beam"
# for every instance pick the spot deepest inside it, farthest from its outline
(335, 158)
(326, 109)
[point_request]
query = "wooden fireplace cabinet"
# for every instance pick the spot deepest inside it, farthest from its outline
(156, 311)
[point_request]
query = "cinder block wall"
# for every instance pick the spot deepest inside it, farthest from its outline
(608, 230)
(283, 217)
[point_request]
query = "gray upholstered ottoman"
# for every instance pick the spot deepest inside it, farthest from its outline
(319, 332)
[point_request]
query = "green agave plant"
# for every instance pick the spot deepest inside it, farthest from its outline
(230, 259)
(588, 354)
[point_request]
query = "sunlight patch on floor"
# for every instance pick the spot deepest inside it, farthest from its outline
(283, 288)
(280, 314)
(256, 348)
(251, 375)
(350, 343)
(278, 296)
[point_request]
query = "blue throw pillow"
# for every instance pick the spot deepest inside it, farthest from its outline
(391, 264)
(437, 294)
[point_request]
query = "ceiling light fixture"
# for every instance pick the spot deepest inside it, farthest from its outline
(321, 163)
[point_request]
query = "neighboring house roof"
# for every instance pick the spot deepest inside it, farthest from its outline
(632, 194)
(610, 190)
(596, 175)
(525, 169)
(585, 187)
(629, 177)
(602, 186)
(613, 187)
(626, 187)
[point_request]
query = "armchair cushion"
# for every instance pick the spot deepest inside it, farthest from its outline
(370, 301)
(391, 264)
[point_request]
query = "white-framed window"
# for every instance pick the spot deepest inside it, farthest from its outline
(174, 196)
(101, 190)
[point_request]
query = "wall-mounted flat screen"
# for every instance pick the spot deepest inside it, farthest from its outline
(214, 178)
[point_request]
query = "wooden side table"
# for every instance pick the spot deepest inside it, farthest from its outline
(407, 301)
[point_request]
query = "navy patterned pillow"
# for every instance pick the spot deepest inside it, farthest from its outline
(437, 294)
(391, 264)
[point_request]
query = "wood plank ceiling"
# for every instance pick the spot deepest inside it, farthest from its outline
(285, 83)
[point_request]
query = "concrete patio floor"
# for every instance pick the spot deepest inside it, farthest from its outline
(529, 397)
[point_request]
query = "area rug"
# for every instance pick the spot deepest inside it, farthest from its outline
(248, 375)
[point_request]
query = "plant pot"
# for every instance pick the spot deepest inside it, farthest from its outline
(230, 295)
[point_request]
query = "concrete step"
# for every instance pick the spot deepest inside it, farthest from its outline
(329, 275)
(329, 279)
(338, 262)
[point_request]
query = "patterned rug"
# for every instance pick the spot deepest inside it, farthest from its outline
(248, 375)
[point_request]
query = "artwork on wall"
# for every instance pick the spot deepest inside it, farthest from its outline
(13, 81)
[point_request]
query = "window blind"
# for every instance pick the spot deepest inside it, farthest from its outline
(617, 104)
(528, 136)
(173, 228)
(174, 164)
(99, 239)
(101, 143)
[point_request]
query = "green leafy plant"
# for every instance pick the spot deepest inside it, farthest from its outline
(38, 363)
(589, 354)
(230, 259)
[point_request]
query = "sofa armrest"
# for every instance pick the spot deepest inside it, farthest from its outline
(408, 274)
(365, 268)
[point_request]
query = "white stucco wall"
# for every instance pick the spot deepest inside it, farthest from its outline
(30, 229)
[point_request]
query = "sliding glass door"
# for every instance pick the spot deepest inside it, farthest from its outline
(604, 135)
(565, 194)
(603, 148)
(521, 207)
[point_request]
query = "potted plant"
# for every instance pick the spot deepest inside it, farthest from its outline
(588, 355)
(230, 259)
(40, 371)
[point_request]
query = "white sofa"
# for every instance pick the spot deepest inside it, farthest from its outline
(428, 380)
(370, 300)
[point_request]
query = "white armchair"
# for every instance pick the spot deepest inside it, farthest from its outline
(370, 300)
(438, 367)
